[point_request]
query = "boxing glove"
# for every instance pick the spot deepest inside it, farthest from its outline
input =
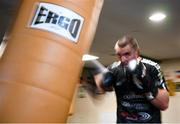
(142, 81)
(108, 79)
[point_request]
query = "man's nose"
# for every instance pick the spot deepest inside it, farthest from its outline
(123, 59)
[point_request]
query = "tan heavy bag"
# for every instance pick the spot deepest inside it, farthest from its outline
(42, 62)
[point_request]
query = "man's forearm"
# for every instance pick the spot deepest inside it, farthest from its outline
(161, 101)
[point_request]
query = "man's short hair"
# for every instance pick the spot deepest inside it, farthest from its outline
(127, 40)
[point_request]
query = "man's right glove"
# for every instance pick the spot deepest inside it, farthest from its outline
(108, 79)
(142, 81)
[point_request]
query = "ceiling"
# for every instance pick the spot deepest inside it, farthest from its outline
(159, 41)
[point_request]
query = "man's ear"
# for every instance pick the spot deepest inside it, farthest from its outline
(137, 52)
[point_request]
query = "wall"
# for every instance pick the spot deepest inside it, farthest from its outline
(170, 64)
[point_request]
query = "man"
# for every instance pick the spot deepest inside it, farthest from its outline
(139, 85)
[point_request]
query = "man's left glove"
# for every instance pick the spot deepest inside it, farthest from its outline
(143, 82)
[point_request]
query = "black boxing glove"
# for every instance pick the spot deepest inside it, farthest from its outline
(142, 80)
(108, 79)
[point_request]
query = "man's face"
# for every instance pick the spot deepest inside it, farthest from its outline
(125, 54)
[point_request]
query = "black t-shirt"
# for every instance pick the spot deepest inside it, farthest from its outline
(133, 107)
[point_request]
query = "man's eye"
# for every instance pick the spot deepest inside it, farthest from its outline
(127, 54)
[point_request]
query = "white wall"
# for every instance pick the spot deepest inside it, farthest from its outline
(170, 64)
(169, 67)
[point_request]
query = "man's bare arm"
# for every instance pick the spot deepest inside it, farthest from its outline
(161, 101)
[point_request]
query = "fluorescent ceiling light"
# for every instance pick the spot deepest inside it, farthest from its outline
(156, 17)
(87, 57)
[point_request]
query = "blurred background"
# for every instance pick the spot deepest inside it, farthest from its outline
(159, 40)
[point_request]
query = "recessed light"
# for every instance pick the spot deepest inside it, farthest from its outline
(157, 17)
(87, 57)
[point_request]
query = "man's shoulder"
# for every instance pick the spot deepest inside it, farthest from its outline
(150, 63)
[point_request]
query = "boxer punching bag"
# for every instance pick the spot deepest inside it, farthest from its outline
(42, 61)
